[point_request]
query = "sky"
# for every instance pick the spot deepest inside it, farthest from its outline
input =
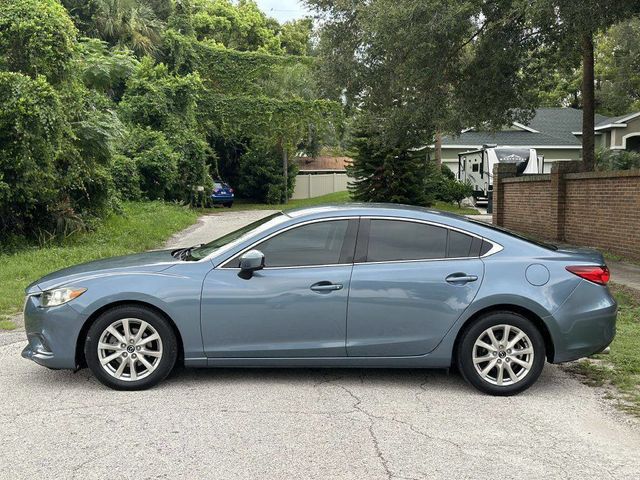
(283, 10)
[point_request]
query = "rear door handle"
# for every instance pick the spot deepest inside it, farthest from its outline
(326, 287)
(460, 278)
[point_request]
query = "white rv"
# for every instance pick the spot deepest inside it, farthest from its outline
(476, 167)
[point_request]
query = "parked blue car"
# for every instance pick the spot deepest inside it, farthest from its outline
(333, 286)
(222, 194)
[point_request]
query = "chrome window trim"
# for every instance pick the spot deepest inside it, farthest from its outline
(496, 247)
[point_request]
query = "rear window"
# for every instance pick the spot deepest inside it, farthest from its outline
(519, 236)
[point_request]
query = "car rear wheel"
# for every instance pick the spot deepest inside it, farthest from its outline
(131, 348)
(501, 353)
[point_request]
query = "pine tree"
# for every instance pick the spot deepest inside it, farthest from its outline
(383, 172)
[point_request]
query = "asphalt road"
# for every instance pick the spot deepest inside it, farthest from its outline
(303, 424)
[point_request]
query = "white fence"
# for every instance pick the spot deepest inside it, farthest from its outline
(309, 186)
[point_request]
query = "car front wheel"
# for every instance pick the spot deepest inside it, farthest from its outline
(502, 353)
(130, 348)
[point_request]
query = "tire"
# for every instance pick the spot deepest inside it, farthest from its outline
(157, 347)
(228, 204)
(519, 371)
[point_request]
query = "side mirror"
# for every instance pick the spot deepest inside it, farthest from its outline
(250, 262)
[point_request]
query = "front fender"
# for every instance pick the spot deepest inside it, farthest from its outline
(175, 292)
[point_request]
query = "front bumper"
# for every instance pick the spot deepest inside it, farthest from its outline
(585, 324)
(52, 334)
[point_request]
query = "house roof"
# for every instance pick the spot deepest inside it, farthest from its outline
(550, 127)
(323, 163)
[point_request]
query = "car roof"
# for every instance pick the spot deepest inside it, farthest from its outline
(393, 210)
(369, 209)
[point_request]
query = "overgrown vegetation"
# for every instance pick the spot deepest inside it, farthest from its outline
(621, 368)
(140, 226)
(114, 100)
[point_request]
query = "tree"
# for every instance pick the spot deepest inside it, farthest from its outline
(36, 38)
(242, 26)
(130, 23)
(420, 67)
(618, 69)
(295, 36)
(572, 27)
(384, 172)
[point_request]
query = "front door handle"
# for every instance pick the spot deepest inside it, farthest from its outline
(460, 278)
(326, 287)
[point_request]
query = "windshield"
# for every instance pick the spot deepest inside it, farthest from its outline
(519, 236)
(208, 248)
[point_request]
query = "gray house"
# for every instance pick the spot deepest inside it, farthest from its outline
(554, 133)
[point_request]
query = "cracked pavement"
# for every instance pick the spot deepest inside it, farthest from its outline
(304, 423)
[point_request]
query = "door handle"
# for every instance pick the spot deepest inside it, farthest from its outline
(460, 278)
(326, 287)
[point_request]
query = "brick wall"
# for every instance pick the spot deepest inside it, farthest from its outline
(533, 217)
(596, 209)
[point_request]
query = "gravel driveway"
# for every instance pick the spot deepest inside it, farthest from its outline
(303, 424)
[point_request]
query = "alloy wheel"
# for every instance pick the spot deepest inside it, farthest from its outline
(130, 349)
(503, 355)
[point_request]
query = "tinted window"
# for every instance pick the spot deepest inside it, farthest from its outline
(313, 244)
(459, 245)
(398, 240)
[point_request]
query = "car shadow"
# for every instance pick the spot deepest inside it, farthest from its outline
(412, 378)
(429, 380)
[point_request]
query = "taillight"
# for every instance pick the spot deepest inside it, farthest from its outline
(599, 275)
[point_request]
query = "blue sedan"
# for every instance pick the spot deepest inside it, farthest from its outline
(222, 194)
(334, 286)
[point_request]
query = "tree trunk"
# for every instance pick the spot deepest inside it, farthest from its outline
(588, 103)
(285, 173)
(438, 149)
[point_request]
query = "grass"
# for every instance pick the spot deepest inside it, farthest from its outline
(337, 197)
(7, 325)
(142, 226)
(621, 368)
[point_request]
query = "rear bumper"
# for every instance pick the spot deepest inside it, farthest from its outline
(52, 334)
(585, 324)
(222, 198)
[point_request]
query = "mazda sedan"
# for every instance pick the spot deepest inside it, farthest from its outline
(335, 286)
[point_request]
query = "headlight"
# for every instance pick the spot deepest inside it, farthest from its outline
(53, 298)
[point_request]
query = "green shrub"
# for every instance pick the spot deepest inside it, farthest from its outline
(607, 160)
(457, 191)
(31, 131)
(195, 158)
(156, 160)
(261, 178)
(126, 179)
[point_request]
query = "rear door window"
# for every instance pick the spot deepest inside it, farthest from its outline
(397, 240)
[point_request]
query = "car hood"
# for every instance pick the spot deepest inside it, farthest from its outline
(155, 261)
